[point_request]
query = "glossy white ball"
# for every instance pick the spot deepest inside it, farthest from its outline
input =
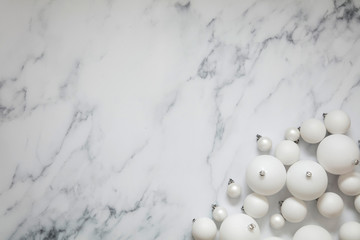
(337, 154)
(294, 210)
(292, 134)
(277, 221)
(350, 231)
(306, 180)
(233, 190)
(337, 121)
(357, 203)
(273, 238)
(204, 229)
(287, 152)
(330, 205)
(264, 144)
(239, 226)
(349, 183)
(219, 214)
(256, 205)
(312, 130)
(312, 232)
(266, 175)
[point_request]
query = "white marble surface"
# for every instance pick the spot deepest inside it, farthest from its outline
(125, 119)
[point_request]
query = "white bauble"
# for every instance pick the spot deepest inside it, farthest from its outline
(337, 154)
(330, 205)
(287, 152)
(349, 183)
(350, 231)
(277, 221)
(273, 238)
(312, 232)
(204, 229)
(312, 130)
(337, 122)
(266, 175)
(233, 190)
(306, 180)
(256, 205)
(239, 226)
(264, 144)
(357, 203)
(292, 134)
(219, 214)
(294, 210)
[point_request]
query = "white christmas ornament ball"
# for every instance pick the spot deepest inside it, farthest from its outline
(277, 221)
(349, 183)
(338, 154)
(312, 232)
(239, 226)
(306, 180)
(294, 210)
(233, 189)
(337, 121)
(350, 231)
(312, 130)
(264, 144)
(330, 205)
(357, 203)
(287, 152)
(204, 229)
(273, 238)
(292, 134)
(219, 214)
(256, 205)
(266, 175)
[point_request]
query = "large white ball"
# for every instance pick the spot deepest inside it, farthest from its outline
(266, 175)
(330, 205)
(337, 154)
(306, 180)
(239, 226)
(350, 231)
(312, 130)
(312, 232)
(337, 121)
(357, 203)
(294, 210)
(349, 183)
(256, 205)
(287, 152)
(204, 229)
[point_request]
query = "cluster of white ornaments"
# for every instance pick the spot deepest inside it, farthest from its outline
(306, 180)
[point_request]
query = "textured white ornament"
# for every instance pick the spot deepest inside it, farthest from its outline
(357, 203)
(256, 205)
(349, 183)
(294, 210)
(312, 232)
(266, 175)
(337, 122)
(312, 130)
(306, 180)
(233, 189)
(277, 221)
(219, 213)
(338, 154)
(287, 152)
(350, 231)
(264, 144)
(204, 229)
(330, 205)
(292, 134)
(239, 226)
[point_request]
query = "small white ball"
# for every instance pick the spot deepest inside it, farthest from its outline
(330, 205)
(277, 221)
(337, 122)
(233, 190)
(219, 214)
(204, 229)
(264, 144)
(337, 154)
(357, 203)
(312, 232)
(349, 183)
(306, 180)
(266, 175)
(273, 238)
(312, 130)
(292, 134)
(350, 231)
(287, 152)
(239, 226)
(256, 206)
(294, 210)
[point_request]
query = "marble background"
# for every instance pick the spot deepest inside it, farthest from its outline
(125, 119)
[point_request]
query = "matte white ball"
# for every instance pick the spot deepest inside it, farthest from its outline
(306, 180)
(337, 122)
(273, 238)
(312, 232)
(233, 190)
(277, 221)
(357, 203)
(330, 205)
(294, 210)
(239, 226)
(350, 231)
(219, 214)
(266, 175)
(256, 205)
(204, 229)
(264, 144)
(292, 134)
(349, 183)
(312, 130)
(287, 152)
(337, 154)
